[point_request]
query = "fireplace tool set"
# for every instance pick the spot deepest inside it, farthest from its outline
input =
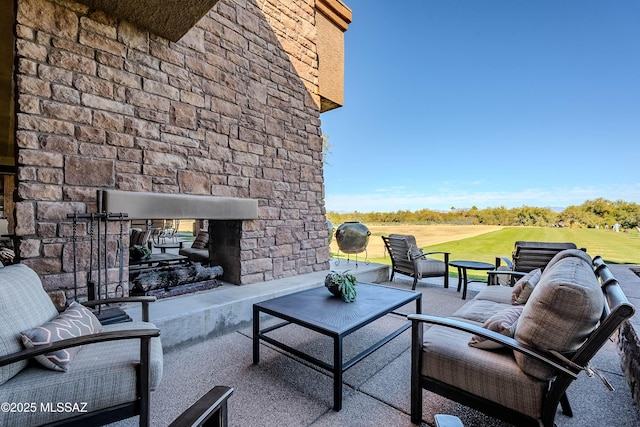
(98, 277)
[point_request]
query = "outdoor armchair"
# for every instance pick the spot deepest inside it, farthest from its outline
(107, 379)
(526, 256)
(209, 411)
(407, 258)
(522, 376)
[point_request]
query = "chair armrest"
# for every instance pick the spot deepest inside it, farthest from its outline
(506, 260)
(141, 299)
(212, 404)
(506, 273)
(424, 254)
(82, 340)
(145, 300)
(511, 343)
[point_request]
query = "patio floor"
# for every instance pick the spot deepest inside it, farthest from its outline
(283, 391)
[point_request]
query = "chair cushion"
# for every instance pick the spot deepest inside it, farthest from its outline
(523, 287)
(102, 375)
(23, 305)
(201, 241)
(503, 322)
(493, 374)
(430, 267)
(499, 294)
(195, 255)
(479, 310)
(563, 310)
(490, 300)
(139, 237)
(413, 250)
(425, 267)
(503, 279)
(76, 321)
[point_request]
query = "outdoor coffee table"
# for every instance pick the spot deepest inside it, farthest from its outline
(463, 266)
(317, 309)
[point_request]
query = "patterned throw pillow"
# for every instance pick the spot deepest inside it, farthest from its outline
(503, 322)
(202, 240)
(76, 321)
(523, 287)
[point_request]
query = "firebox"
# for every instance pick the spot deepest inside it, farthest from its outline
(225, 216)
(224, 247)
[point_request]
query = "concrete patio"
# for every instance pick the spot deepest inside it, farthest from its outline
(207, 337)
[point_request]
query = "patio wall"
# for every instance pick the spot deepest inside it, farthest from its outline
(229, 110)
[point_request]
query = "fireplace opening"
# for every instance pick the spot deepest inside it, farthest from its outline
(211, 248)
(222, 217)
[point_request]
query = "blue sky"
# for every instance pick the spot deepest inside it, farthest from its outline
(486, 103)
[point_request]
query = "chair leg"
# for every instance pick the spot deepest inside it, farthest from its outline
(415, 282)
(143, 382)
(416, 367)
(566, 406)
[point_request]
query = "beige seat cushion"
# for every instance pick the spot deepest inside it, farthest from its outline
(493, 374)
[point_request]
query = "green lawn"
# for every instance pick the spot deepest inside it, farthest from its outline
(618, 248)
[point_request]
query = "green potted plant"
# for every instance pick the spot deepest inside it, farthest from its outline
(342, 284)
(137, 252)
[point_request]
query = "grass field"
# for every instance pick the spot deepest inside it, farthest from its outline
(484, 243)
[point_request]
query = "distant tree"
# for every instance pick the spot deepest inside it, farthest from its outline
(599, 207)
(627, 214)
(326, 149)
(532, 216)
(495, 216)
(577, 217)
(591, 213)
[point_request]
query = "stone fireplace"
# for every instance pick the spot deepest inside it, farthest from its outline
(228, 112)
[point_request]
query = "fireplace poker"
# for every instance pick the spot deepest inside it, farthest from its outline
(106, 267)
(120, 258)
(75, 262)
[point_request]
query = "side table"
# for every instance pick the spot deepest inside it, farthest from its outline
(164, 246)
(463, 266)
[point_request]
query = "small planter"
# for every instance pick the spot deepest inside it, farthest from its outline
(341, 285)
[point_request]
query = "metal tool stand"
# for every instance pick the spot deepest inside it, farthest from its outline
(97, 231)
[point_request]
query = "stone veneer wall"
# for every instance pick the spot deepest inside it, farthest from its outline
(229, 110)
